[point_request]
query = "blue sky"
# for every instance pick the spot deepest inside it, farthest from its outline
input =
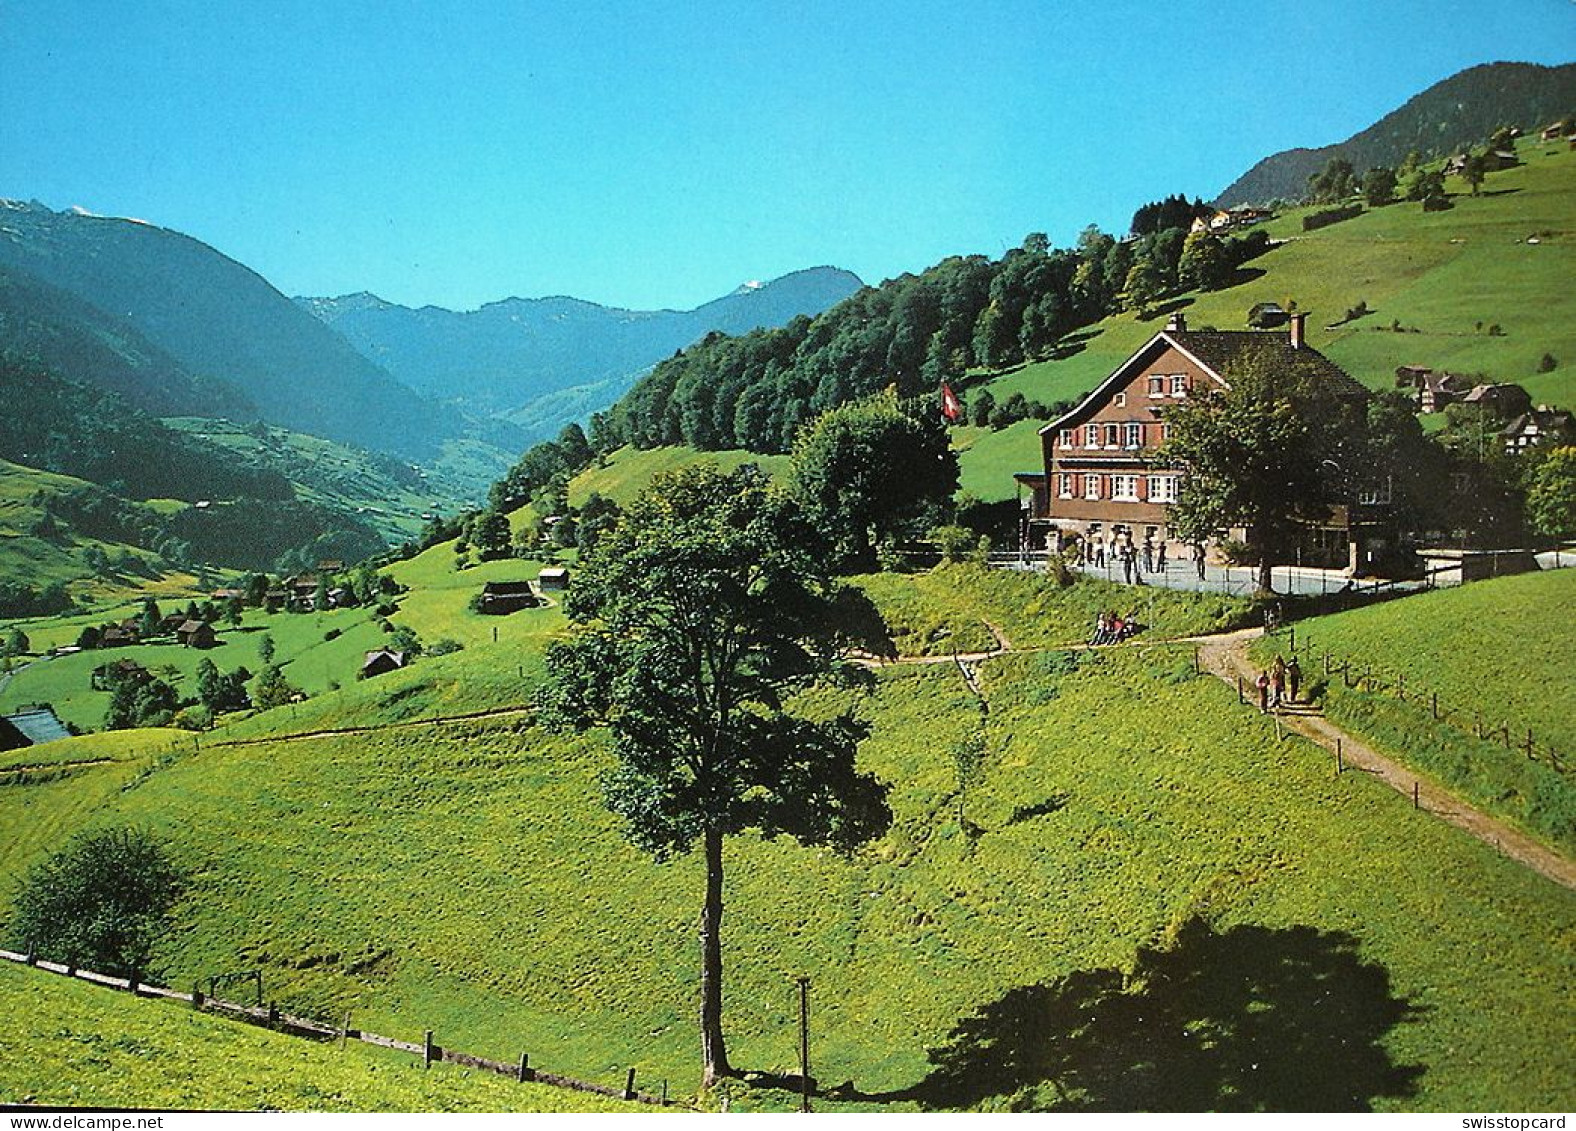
(649, 154)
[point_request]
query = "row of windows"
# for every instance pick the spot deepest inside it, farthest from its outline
(1126, 434)
(1119, 488)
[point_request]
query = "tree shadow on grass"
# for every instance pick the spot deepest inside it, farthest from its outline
(1250, 1019)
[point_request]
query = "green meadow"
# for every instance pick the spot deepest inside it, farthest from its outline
(1125, 842)
(71, 1044)
(1495, 651)
(624, 474)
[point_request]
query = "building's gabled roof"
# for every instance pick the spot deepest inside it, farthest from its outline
(507, 589)
(40, 725)
(1215, 351)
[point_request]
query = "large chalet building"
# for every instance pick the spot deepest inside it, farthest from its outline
(1101, 477)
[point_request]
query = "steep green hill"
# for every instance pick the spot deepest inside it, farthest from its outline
(70, 1044)
(1501, 259)
(1459, 111)
(1127, 816)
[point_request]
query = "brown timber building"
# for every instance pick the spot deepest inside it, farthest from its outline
(1101, 476)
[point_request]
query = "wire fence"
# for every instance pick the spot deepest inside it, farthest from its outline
(270, 1016)
(1366, 676)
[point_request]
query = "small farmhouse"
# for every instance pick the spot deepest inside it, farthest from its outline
(1543, 425)
(32, 727)
(500, 597)
(195, 634)
(553, 577)
(382, 660)
(1433, 389)
(1101, 480)
(1501, 400)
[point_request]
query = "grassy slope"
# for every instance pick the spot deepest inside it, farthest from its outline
(38, 562)
(329, 474)
(930, 614)
(628, 472)
(1441, 273)
(72, 1044)
(1498, 649)
(1116, 802)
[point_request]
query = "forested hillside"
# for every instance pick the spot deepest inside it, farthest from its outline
(912, 332)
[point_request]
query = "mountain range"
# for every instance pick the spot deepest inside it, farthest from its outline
(1457, 112)
(540, 363)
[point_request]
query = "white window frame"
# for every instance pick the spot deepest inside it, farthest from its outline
(1091, 486)
(1069, 437)
(1178, 384)
(1157, 385)
(1124, 488)
(1064, 485)
(1133, 434)
(1091, 435)
(1113, 435)
(1121, 400)
(1162, 488)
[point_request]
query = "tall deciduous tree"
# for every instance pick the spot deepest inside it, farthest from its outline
(864, 472)
(694, 617)
(1269, 454)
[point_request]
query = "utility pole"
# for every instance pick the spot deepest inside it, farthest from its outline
(804, 1044)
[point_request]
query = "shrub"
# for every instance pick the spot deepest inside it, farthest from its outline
(443, 647)
(331, 634)
(1316, 220)
(1547, 364)
(100, 902)
(1495, 330)
(952, 541)
(196, 717)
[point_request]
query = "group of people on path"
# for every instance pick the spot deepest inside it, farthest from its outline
(1150, 556)
(1110, 628)
(1275, 684)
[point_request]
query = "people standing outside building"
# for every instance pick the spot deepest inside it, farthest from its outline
(1149, 554)
(1263, 683)
(1198, 558)
(1128, 557)
(1278, 683)
(1293, 678)
(1097, 544)
(1160, 561)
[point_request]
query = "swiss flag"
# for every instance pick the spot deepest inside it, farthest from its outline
(951, 407)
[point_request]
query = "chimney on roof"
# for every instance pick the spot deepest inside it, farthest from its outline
(1298, 321)
(1177, 322)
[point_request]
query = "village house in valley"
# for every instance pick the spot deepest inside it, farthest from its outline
(1101, 477)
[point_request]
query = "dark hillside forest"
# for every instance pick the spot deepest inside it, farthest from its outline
(914, 332)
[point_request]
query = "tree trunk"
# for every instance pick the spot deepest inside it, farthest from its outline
(1266, 574)
(714, 1055)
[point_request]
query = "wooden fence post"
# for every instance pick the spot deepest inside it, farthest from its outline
(1528, 744)
(629, 1085)
(1340, 762)
(1293, 638)
(1415, 803)
(197, 998)
(273, 1014)
(1196, 669)
(131, 982)
(525, 1068)
(1326, 665)
(32, 953)
(1240, 699)
(426, 1050)
(1505, 732)
(1436, 704)
(1400, 687)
